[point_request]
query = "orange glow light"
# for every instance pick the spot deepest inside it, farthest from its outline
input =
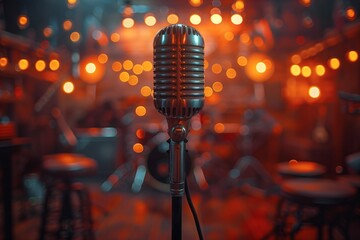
(75, 36)
(138, 148)
(145, 91)
(195, 3)
(40, 65)
(352, 56)
(140, 133)
(147, 66)
(116, 66)
(138, 69)
(208, 91)
(295, 70)
(150, 20)
(67, 25)
(229, 36)
(334, 63)
(128, 22)
(128, 65)
(115, 37)
(3, 62)
(216, 68)
(306, 71)
(320, 70)
(238, 6)
(295, 59)
(172, 18)
(260, 67)
(242, 61)
(231, 73)
(54, 64)
(350, 13)
(314, 92)
(124, 76)
(23, 21)
(23, 64)
(219, 128)
(140, 111)
(245, 38)
(217, 86)
(133, 80)
(90, 70)
(195, 19)
(68, 87)
(103, 58)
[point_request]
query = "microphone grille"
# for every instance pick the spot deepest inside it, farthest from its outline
(178, 71)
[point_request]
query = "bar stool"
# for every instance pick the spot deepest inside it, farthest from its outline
(330, 200)
(64, 216)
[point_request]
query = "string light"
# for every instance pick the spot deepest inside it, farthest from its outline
(128, 64)
(231, 73)
(352, 56)
(320, 70)
(195, 19)
(115, 37)
(295, 70)
(54, 64)
(146, 91)
(306, 71)
(124, 76)
(40, 65)
(140, 111)
(68, 87)
(75, 37)
(150, 20)
(3, 62)
(23, 21)
(216, 68)
(334, 63)
(67, 25)
(116, 66)
(103, 58)
(236, 19)
(138, 148)
(314, 92)
(172, 18)
(128, 22)
(23, 64)
(242, 61)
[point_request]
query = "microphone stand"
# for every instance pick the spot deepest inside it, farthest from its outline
(177, 142)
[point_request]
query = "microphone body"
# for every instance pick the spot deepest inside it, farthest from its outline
(178, 72)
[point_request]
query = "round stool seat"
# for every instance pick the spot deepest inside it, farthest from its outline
(318, 191)
(301, 169)
(69, 165)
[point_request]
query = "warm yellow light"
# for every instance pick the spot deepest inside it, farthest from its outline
(195, 19)
(314, 92)
(219, 127)
(40, 65)
(75, 36)
(147, 66)
(216, 18)
(138, 148)
(115, 37)
(138, 69)
(172, 18)
(124, 76)
(72, 2)
(128, 64)
(260, 67)
(90, 67)
(103, 58)
(229, 36)
(352, 56)
(140, 111)
(195, 3)
(231, 73)
(242, 61)
(68, 87)
(150, 20)
(128, 22)
(116, 66)
(54, 64)
(217, 86)
(238, 6)
(350, 13)
(133, 80)
(306, 71)
(23, 21)
(216, 68)
(295, 59)
(208, 91)
(237, 19)
(306, 3)
(320, 70)
(295, 70)
(334, 63)
(3, 62)
(67, 25)
(23, 64)
(146, 91)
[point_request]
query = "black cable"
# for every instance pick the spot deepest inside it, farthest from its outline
(193, 211)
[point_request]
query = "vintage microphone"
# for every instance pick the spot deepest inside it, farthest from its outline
(178, 95)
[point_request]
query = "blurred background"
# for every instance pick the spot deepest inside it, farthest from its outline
(282, 83)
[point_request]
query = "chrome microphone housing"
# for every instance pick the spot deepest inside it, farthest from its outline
(178, 71)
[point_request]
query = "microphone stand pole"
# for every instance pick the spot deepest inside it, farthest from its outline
(177, 148)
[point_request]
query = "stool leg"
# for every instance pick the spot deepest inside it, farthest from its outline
(85, 208)
(45, 212)
(66, 215)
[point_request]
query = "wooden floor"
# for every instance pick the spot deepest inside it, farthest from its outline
(226, 212)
